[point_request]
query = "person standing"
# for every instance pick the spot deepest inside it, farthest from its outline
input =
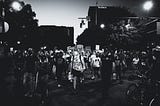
(96, 65)
(77, 68)
(92, 56)
(60, 64)
(106, 71)
(118, 68)
(155, 70)
(29, 74)
(7, 78)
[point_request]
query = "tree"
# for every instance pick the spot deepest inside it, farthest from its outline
(22, 24)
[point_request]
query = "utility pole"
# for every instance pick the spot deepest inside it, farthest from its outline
(96, 14)
(3, 15)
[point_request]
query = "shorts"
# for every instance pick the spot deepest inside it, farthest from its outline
(96, 68)
(77, 73)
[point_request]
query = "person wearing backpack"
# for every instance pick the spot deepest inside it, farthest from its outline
(77, 68)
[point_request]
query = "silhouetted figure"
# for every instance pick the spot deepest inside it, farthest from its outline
(7, 93)
(60, 67)
(106, 72)
(155, 71)
(30, 73)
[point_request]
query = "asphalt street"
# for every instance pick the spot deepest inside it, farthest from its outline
(91, 93)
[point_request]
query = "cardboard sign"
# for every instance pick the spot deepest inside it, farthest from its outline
(80, 47)
(68, 48)
(88, 48)
(72, 48)
(97, 47)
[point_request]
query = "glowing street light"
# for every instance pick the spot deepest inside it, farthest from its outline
(148, 5)
(18, 42)
(102, 26)
(16, 6)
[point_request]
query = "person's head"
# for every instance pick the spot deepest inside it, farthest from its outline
(60, 54)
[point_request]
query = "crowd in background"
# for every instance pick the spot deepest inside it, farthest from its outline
(31, 69)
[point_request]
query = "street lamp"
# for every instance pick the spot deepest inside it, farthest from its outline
(16, 6)
(18, 42)
(102, 26)
(148, 5)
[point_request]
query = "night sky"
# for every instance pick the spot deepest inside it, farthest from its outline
(67, 12)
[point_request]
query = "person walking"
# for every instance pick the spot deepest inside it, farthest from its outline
(60, 64)
(106, 72)
(77, 68)
(96, 65)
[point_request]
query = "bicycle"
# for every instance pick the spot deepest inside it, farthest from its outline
(139, 93)
(155, 101)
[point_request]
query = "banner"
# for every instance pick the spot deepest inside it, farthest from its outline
(80, 48)
(97, 47)
(68, 48)
(88, 48)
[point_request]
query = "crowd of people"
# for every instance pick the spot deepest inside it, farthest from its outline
(30, 69)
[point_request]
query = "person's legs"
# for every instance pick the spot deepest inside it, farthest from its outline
(118, 70)
(75, 82)
(98, 72)
(76, 79)
(92, 72)
(59, 77)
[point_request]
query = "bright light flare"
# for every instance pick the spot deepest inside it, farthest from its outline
(148, 5)
(16, 6)
(102, 26)
(18, 42)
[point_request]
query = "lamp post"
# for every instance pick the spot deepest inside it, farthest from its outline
(102, 26)
(16, 6)
(96, 14)
(147, 6)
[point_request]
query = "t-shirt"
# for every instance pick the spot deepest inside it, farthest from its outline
(135, 60)
(77, 63)
(91, 57)
(96, 62)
